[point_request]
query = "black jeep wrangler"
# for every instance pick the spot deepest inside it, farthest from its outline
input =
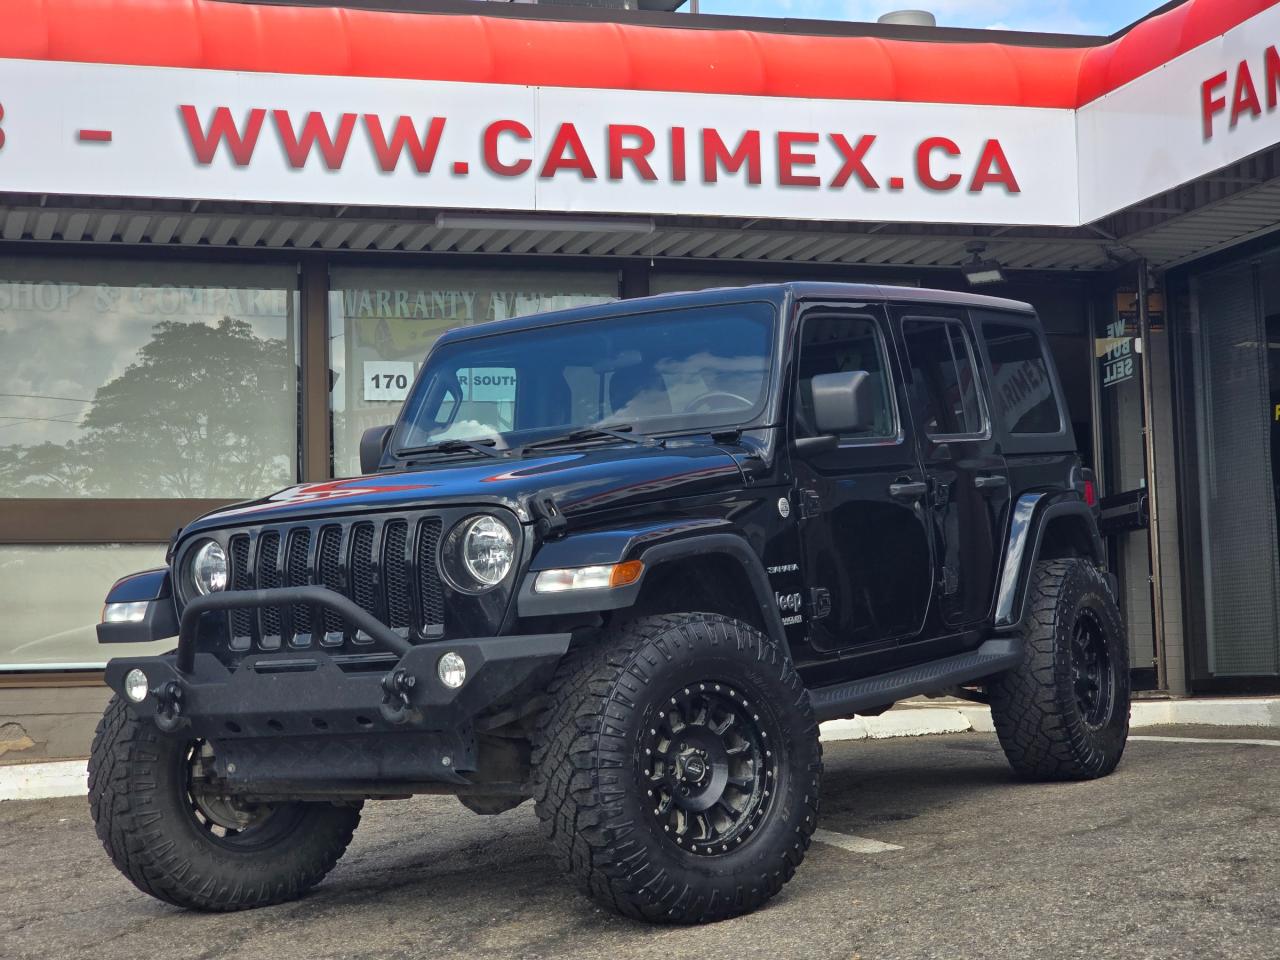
(622, 560)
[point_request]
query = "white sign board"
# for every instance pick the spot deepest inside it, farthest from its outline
(1210, 107)
(111, 130)
(488, 384)
(387, 380)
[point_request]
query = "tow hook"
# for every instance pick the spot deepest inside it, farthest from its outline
(396, 687)
(169, 716)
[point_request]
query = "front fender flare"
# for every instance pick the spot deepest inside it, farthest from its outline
(712, 537)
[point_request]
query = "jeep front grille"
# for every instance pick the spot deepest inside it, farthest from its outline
(389, 566)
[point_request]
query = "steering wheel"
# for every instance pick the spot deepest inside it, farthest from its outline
(712, 396)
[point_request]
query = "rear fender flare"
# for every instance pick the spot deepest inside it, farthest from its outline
(1032, 515)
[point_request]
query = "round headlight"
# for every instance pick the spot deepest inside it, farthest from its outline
(479, 553)
(209, 568)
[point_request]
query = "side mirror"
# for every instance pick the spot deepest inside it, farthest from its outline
(843, 402)
(373, 443)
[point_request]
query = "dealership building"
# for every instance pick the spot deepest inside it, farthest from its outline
(230, 231)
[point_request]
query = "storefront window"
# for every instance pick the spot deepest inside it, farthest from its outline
(1236, 408)
(52, 598)
(383, 322)
(155, 380)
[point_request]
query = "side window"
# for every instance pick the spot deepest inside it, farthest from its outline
(944, 375)
(837, 344)
(1020, 384)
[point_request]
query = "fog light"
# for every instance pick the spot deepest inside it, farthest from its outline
(452, 670)
(135, 685)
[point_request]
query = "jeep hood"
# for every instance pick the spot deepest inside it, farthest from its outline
(579, 481)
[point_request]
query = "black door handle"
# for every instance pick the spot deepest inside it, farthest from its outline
(908, 490)
(991, 481)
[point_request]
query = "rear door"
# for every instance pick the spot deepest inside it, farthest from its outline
(968, 481)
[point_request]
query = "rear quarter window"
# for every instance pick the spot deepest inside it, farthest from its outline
(1021, 386)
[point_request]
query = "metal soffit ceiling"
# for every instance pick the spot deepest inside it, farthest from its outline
(73, 221)
(1232, 205)
(1250, 214)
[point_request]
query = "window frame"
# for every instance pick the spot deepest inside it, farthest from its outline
(980, 371)
(884, 343)
(1061, 441)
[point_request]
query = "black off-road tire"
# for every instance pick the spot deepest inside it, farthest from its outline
(593, 771)
(139, 800)
(1049, 725)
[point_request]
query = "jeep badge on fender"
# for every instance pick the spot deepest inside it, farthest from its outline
(572, 573)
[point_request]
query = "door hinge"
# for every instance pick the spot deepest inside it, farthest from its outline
(941, 494)
(819, 602)
(810, 504)
(950, 580)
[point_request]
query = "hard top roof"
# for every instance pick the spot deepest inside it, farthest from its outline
(776, 293)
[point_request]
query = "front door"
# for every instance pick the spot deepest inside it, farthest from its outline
(968, 493)
(866, 539)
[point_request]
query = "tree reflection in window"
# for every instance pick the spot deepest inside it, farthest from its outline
(205, 410)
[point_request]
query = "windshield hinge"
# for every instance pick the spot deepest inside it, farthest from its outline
(551, 521)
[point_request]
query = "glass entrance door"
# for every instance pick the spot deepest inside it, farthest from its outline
(1123, 469)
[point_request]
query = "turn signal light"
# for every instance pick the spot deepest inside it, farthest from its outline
(604, 576)
(627, 573)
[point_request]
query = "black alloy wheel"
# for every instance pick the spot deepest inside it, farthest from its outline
(1091, 673)
(175, 836)
(706, 753)
(677, 767)
(227, 820)
(1063, 712)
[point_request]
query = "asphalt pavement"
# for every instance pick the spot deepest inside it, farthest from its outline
(1175, 855)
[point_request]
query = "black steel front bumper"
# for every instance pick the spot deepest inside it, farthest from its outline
(323, 714)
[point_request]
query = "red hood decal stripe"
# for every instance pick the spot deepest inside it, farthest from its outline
(329, 41)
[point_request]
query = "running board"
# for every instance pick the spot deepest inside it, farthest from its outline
(847, 699)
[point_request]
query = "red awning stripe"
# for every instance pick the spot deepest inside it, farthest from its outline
(207, 34)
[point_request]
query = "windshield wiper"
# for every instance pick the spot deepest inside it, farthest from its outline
(483, 446)
(613, 431)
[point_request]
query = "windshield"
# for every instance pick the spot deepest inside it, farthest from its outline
(677, 370)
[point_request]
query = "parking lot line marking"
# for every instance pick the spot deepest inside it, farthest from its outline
(847, 841)
(1260, 743)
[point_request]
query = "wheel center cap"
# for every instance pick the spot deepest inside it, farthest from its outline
(694, 768)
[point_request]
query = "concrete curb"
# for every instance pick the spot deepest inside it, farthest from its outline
(922, 718)
(40, 781)
(69, 778)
